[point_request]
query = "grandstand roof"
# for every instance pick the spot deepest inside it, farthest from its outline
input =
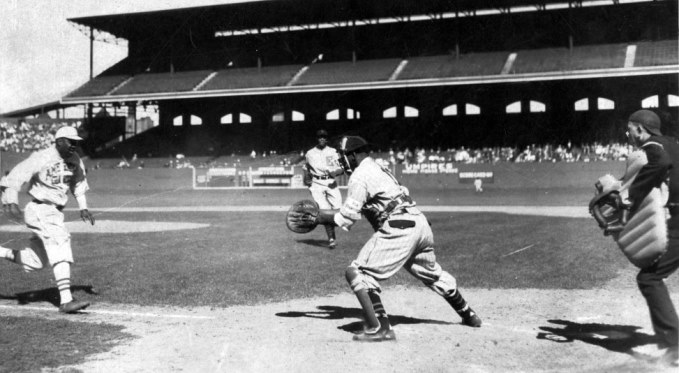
(600, 61)
(272, 13)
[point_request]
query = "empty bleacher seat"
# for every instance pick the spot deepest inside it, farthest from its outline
(251, 77)
(163, 82)
(446, 66)
(590, 57)
(657, 53)
(349, 72)
(99, 86)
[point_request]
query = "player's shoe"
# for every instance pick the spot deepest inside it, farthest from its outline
(73, 306)
(379, 336)
(671, 357)
(332, 244)
(471, 319)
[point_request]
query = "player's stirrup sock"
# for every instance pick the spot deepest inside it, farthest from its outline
(459, 304)
(62, 274)
(380, 312)
(330, 230)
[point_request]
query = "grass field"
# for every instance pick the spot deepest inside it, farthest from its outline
(249, 258)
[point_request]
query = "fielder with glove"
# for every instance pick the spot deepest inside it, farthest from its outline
(402, 238)
(320, 171)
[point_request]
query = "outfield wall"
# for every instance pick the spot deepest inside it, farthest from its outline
(504, 175)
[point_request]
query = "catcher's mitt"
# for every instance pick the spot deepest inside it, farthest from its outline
(609, 211)
(302, 217)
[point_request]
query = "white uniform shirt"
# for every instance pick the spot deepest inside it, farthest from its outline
(320, 162)
(370, 186)
(50, 179)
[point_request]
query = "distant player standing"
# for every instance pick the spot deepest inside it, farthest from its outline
(321, 168)
(52, 172)
(402, 238)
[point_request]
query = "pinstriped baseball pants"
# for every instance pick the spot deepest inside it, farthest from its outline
(391, 248)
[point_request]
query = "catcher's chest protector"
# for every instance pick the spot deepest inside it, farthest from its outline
(643, 239)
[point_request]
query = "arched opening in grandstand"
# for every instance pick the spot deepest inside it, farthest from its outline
(410, 112)
(449, 111)
(349, 114)
(605, 104)
(650, 102)
(471, 109)
(513, 108)
(389, 113)
(672, 100)
(295, 116)
(537, 106)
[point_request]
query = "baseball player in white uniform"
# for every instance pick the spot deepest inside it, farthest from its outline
(402, 238)
(51, 172)
(320, 170)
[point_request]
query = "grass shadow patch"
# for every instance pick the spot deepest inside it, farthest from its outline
(32, 344)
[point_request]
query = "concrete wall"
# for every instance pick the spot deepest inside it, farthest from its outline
(505, 175)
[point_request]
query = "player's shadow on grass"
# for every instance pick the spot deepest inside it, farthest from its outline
(50, 295)
(338, 313)
(314, 242)
(617, 338)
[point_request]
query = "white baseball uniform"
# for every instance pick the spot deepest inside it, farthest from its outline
(50, 177)
(404, 239)
(320, 162)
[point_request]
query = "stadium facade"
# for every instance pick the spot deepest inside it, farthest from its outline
(265, 75)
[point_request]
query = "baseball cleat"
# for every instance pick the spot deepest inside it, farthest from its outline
(73, 306)
(380, 336)
(332, 244)
(472, 320)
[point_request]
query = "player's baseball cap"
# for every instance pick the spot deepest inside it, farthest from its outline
(68, 132)
(322, 133)
(352, 143)
(648, 120)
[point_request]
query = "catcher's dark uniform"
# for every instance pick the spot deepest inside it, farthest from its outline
(663, 163)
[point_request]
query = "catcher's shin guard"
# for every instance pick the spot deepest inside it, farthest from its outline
(353, 277)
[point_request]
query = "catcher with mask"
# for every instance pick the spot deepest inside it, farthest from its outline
(402, 238)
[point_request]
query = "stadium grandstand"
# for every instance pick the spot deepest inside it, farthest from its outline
(262, 76)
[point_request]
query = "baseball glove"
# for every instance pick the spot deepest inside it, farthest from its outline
(609, 211)
(302, 217)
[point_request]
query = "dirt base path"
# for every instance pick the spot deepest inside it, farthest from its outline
(524, 330)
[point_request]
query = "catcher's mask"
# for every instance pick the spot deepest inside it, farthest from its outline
(348, 147)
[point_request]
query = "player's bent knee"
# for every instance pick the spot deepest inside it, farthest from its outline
(353, 276)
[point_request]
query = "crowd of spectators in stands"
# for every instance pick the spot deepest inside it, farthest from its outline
(534, 153)
(26, 138)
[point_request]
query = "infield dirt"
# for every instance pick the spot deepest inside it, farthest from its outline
(523, 331)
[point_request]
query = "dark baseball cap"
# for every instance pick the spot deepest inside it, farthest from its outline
(349, 144)
(648, 120)
(321, 133)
